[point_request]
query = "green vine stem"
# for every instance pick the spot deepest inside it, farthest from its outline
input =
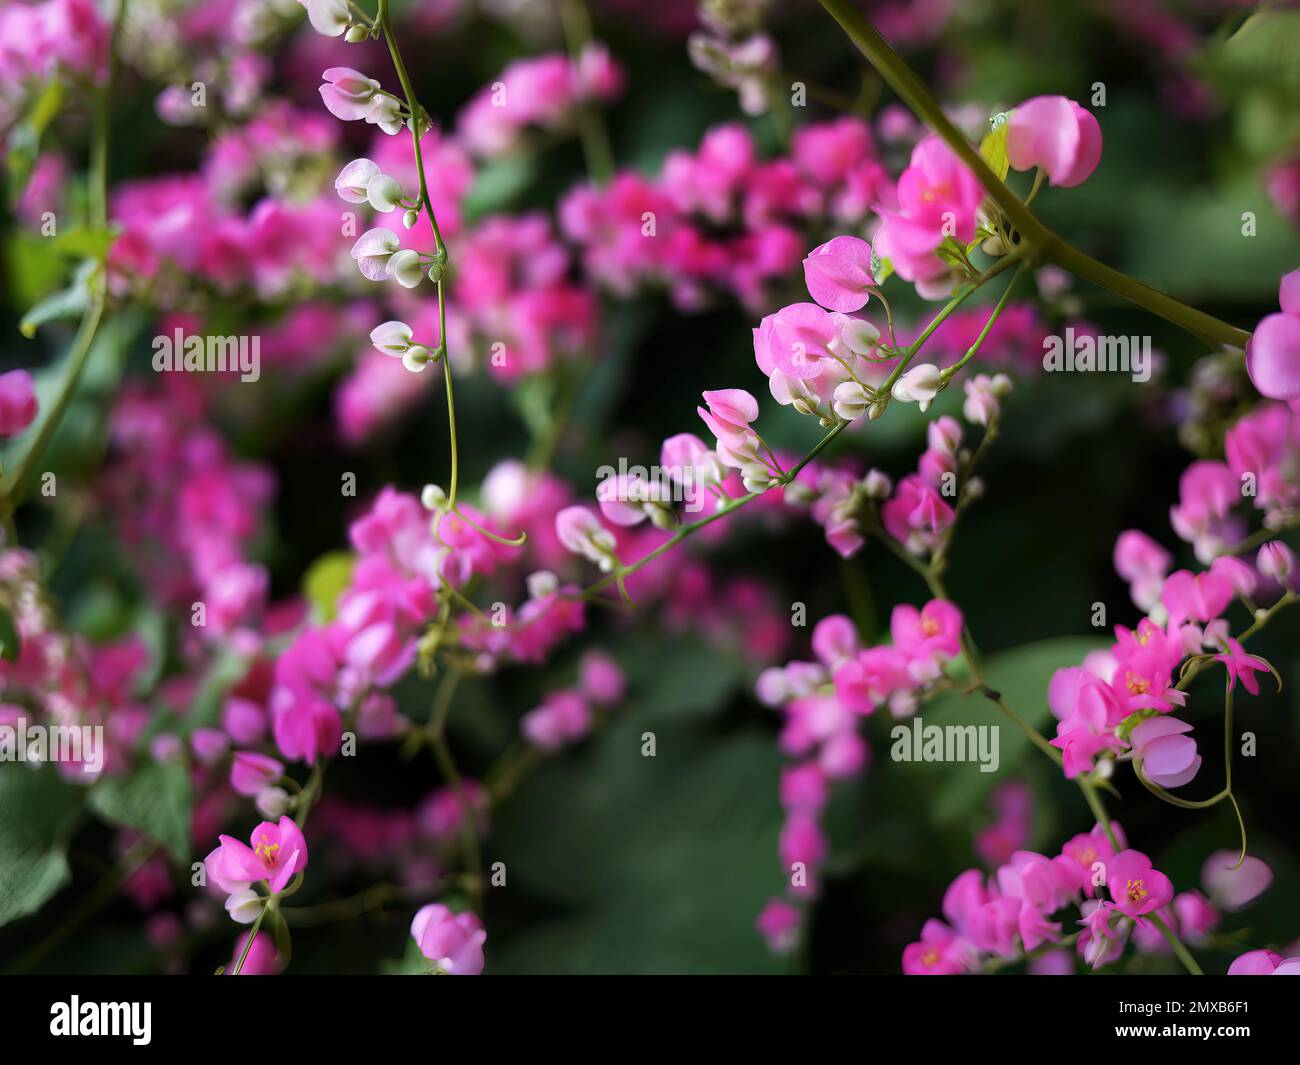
(1044, 245)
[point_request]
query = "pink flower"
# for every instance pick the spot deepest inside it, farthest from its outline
(1195, 597)
(926, 637)
(1276, 561)
(600, 679)
(838, 273)
(1056, 134)
(1135, 887)
(1273, 352)
(940, 952)
(1168, 755)
(348, 94)
(937, 197)
(1143, 563)
(1241, 666)
(453, 942)
(262, 959)
(1234, 886)
(562, 718)
(779, 925)
(279, 851)
(250, 772)
(1257, 963)
(835, 640)
(17, 402)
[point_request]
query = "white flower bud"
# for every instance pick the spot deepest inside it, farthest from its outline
(850, 401)
(433, 498)
(272, 802)
(919, 385)
(244, 906)
(384, 193)
(541, 584)
(405, 268)
(410, 218)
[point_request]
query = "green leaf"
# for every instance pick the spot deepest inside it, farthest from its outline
(659, 864)
(9, 639)
(994, 149)
(156, 799)
(497, 184)
(86, 242)
(325, 581)
(70, 302)
(25, 140)
(40, 812)
(1020, 675)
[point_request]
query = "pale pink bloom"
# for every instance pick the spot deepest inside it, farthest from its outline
(1276, 561)
(1234, 886)
(563, 718)
(328, 17)
(1257, 963)
(1056, 134)
(373, 250)
(17, 402)
(354, 179)
(600, 679)
(838, 273)
(1196, 917)
(581, 533)
(1169, 757)
(348, 94)
(779, 925)
(453, 942)
(835, 640)
(1143, 563)
(803, 787)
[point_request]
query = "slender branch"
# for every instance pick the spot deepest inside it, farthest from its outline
(1045, 244)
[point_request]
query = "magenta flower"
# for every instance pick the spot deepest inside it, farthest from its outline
(17, 402)
(453, 942)
(1273, 352)
(1135, 887)
(940, 952)
(563, 718)
(1241, 666)
(838, 273)
(1056, 134)
(1258, 963)
(278, 852)
(779, 925)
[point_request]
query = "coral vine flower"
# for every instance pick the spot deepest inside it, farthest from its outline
(1056, 134)
(1241, 666)
(278, 852)
(453, 942)
(1135, 887)
(1273, 352)
(17, 402)
(838, 273)
(1168, 755)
